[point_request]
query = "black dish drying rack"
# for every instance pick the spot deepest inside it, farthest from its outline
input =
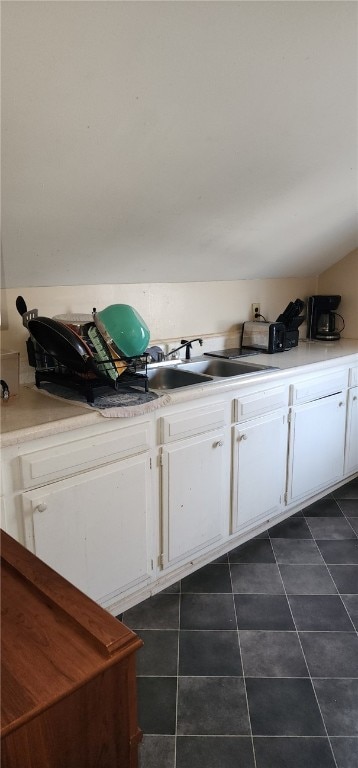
(87, 383)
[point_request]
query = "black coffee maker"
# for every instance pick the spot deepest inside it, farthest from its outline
(321, 318)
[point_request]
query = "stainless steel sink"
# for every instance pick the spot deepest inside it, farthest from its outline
(224, 368)
(172, 378)
(186, 374)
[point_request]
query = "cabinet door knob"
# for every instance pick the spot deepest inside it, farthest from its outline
(41, 507)
(341, 403)
(218, 444)
(355, 397)
(243, 437)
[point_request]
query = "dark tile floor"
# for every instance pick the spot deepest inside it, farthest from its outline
(252, 661)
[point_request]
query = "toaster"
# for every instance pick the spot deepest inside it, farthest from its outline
(268, 337)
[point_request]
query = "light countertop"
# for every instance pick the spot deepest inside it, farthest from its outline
(309, 353)
(32, 414)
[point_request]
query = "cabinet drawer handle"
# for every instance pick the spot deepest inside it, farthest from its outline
(41, 507)
(218, 444)
(243, 437)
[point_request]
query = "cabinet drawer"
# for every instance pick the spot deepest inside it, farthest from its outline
(192, 422)
(248, 406)
(55, 463)
(319, 386)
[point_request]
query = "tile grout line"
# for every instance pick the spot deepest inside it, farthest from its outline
(308, 670)
(254, 677)
(339, 593)
(340, 506)
(177, 686)
(328, 569)
(339, 538)
(348, 520)
(355, 630)
(243, 671)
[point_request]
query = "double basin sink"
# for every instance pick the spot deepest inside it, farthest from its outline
(200, 371)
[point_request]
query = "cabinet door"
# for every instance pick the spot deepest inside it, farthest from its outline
(259, 473)
(93, 528)
(351, 450)
(195, 480)
(316, 451)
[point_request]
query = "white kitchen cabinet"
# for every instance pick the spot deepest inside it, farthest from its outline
(82, 502)
(351, 448)
(194, 496)
(259, 456)
(88, 500)
(195, 477)
(316, 446)
(259, 469)
(94, 528)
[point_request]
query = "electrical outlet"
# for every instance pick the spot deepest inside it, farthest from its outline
(256, 311)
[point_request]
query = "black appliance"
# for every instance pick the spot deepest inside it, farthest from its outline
(321, 318)
(292, 320)
(233, 352)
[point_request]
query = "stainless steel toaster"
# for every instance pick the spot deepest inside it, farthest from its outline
(268, 337)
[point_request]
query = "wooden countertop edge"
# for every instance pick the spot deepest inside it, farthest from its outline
(108, 634)
(15, 724)
(28, 716)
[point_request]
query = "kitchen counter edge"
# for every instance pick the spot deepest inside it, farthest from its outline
(31, 414)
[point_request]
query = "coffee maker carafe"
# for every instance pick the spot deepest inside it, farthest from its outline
(321, 318)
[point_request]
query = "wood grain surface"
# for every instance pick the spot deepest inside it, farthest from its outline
(68, 673)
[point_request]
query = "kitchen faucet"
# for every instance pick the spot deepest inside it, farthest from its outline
(187, 345)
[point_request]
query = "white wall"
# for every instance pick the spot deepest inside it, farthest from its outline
(148, 142)
(171, 310)
(342, 279)
(175, 310)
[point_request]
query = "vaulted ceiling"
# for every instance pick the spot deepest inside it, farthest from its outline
(177, 141)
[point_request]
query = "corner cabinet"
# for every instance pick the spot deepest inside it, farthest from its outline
(195, 472)
(259, 457)
(94, 525)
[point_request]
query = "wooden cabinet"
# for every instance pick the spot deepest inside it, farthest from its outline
(194, 483)
(68, 673)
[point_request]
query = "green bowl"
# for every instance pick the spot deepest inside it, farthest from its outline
(123, 325)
